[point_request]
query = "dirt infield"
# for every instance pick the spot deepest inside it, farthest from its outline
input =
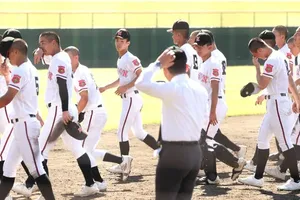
(67, 179)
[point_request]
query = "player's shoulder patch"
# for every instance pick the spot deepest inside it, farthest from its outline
(82, 83)
(215, 72)
(269, 68)
(136, 62)
(16, 78)
(61, 69)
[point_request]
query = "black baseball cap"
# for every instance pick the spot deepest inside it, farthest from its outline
(267, 35)
(5, 45)
(12, 33)
(179, 25)
(209, 33)
(123, 34)
(203, 39)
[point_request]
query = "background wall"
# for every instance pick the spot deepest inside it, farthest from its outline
(97, 45)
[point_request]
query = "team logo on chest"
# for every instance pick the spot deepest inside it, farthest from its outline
(269, 68)
(16, 78)
(81, 83)
(202, 78)
(123, 72)
(61, 69)
(289, 55)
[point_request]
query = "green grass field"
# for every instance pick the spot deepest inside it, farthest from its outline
(236, 78)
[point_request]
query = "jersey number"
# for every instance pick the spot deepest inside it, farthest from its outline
(287, 67)
(195, 62)
(224, 67)
(37, 85)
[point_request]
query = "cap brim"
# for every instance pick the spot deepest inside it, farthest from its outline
(170, 30)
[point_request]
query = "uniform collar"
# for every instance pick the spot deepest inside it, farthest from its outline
(180, 77)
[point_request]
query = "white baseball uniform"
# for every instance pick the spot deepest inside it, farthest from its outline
(26, 128)
(60, 67)
(193, 60)
(5, 125)
(95, 116)
(278, 118)
(218, 55)
(285, 50)
(132, 101)
(296, 76)
(211, 71)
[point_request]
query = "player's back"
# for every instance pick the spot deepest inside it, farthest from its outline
(277, 68)
(128, 64)
(60, 67)
(25, 79)
(193, 60)
(83, 80)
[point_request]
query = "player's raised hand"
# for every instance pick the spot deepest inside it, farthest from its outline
(4, 69)
(66, 117)
(296, 107)
(255, 62)
(260, 99)
(166, 59)
(37, 56)
(213, 118)
(121, 90)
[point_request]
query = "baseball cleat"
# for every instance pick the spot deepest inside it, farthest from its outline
(290, 185)
(101, 186)
(250, 166)
(8, 198)
(275, 172)
(206, 181)
(21, 188)
(116, 169)
(126, 167)
(242, 152)
(274, 156)
(201, 173)
(41, 198)
(236, 172)
(251, 180)
(156, 152)
(87, 191)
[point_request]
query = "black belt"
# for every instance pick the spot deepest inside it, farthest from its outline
(49, 105)
(99, 106)
(181, 143)
(124, 95)
(220, 97)
(269, 96)
(17, 119)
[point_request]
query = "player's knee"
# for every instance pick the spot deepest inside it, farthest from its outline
(263, 145)
(140, 134)
(284, 146)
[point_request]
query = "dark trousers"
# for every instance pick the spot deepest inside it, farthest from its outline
(177, 170)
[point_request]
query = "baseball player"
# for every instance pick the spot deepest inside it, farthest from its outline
(129, 69)
(23, 93)
(276, 78)
(90, 105)
(58, 100)
(209, 76)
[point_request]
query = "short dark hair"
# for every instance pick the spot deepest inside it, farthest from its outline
(184, 33)
(20, 45)
(50, 35)
(179, 66)
(255, 44)
(291, 40)
(282, 30)
(73, 50)
(209, 33)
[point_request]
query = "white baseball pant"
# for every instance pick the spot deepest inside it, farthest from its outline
(94, 122)
(54, 115)
(211, 130)
(131, 117)
(296, 131)
(6, 128)
(25, 147)
(278, 120)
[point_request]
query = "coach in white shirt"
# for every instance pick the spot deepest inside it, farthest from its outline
(183, 112)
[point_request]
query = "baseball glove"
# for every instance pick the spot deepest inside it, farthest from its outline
(73, 129)
(249, 89)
